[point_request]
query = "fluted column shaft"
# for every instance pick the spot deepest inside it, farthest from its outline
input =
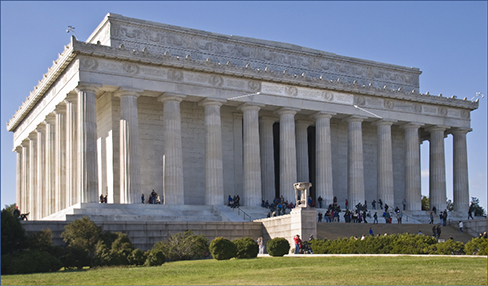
(437, 172)
(50, 162)
(252, 161)
(412, 167)
(214, 183)
(18, 177)
(41, 168)
(130, 172)
(32, 204)
(25, 176)
(72, 191)
(87, 143)
(174, 191)
(385, 163)
(460, 171)
(60, 157)
(323, 153)
(302, 150)
(355, 174)
(288, 153)
(267, 158)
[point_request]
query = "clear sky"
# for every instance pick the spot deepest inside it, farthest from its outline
(446, 40)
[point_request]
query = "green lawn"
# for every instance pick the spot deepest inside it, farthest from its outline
(332, 270)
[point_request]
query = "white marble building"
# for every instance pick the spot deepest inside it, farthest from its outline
(197, 116)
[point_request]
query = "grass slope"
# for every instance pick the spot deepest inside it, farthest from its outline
(333, 270)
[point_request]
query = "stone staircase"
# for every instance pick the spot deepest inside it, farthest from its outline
(137, 212)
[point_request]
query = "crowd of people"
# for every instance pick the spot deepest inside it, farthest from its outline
(154, 198)
(277, 207)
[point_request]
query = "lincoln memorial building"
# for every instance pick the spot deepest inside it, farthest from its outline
(198, 116)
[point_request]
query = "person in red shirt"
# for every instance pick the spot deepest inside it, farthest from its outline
(297, 241)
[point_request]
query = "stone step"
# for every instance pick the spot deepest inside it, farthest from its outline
(103, 217)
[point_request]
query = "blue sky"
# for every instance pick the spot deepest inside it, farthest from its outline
(446, 40)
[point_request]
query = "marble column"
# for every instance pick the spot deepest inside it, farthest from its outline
(460, 170)
(130, 171)
(214, 173)
(252, 161)
(174, 191)
(50, 162)
(31, 202)
(385, 162)
(437, 170)
(267, 157)
(18, 176)
(25, 176)
(323, 169)
(41, 167)
(288, 153)
(60, 157)
(355, 164)
(412, 167)
(238, 159)
(87, 142)
(302, 150)
(72, 191)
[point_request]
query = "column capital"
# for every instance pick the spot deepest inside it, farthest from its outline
(322, 114)
(18, 149)
(410, 125)
(25, 143)
(50, 119)
(354, 118)
(87, 86)
(41, 127)
(32, 135)
(250, 106)
(212, 101)
(437, 128)
(60, 108)
(303, 122)
(287, 110)
(71, 97)
(127, 91)
(384, 121)
(170, 96)
(270, 119)
(460, 130)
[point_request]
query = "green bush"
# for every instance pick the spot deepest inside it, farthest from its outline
(117, 252)
(30, 261)
(449, 247)
(278, 246)
(75, 257)
(410, 243)
(222, 249)
(83, 234)
(476, 246)
(13, 234)
(246, 248)
(155, 258)
(183, 246)
(137, 257)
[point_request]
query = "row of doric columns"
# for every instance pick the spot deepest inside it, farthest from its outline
(57, 164)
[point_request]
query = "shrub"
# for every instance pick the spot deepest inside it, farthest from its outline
(410, 243)
(155, 258)
(183, 246)
(246, 248)
(449, 247)
(476, 246)
(83, 234)
(222, 249)
(75, 257)
(137, 257)
(13, 234)
(117, 252)
(30, 261)
(278, 246)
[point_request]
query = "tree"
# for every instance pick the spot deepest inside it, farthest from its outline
(13, 234)
(476, 208)
(425, 203)
(83, 234)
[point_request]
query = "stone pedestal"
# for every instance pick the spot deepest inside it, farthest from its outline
(303, 222)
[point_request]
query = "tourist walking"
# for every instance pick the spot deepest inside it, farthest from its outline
(404, 203)
(461, 226)
(431, 218)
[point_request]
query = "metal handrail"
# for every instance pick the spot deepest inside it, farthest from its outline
(245, 214)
